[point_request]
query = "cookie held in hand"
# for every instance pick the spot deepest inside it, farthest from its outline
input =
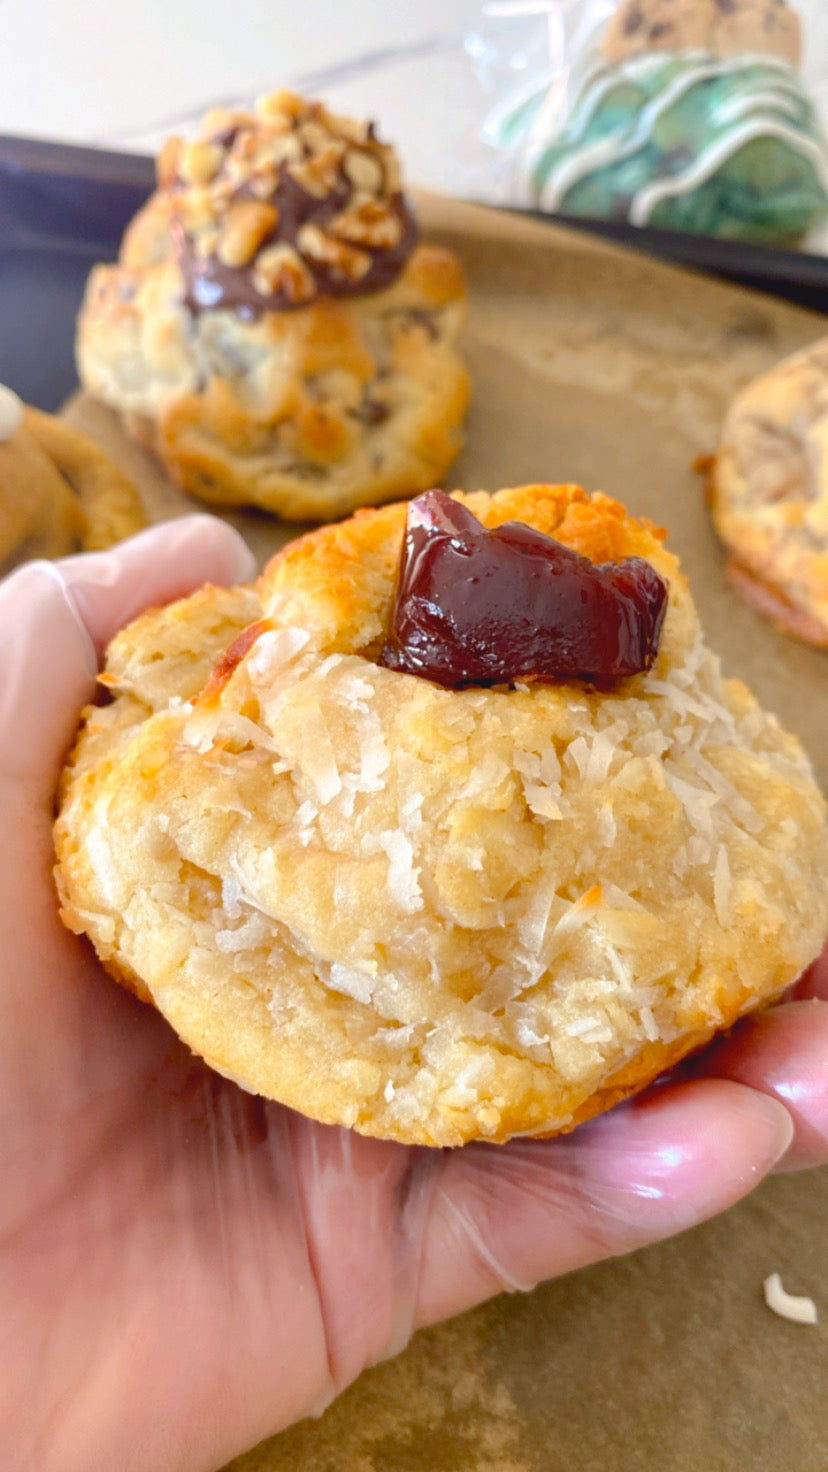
(431, 912)
(274, 328)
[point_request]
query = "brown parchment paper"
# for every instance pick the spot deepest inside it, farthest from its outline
(598, 366)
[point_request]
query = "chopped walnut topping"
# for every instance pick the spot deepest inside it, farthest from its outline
(368, 223)
(281, 105)
(320, 174)
(208, 242)
(393, 176)
(342, 258)
(364, 171)
(286, 148)
(201, 162)
(289, 175)
(221, 121)
(263, 183)
(356, 130)
(197, 213)
(315, 136)
(245, 149)
(280, 268)
(246, 227)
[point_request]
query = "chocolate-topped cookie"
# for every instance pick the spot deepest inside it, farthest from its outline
(272, 210)
(274, 328)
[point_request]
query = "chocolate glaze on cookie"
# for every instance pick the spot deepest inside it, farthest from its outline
(210, 284)
(272, 210)
(480, 606)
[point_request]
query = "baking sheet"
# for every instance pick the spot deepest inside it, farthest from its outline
(595, 365)
(63, 206)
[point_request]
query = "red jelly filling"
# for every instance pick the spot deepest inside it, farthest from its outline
(475, 606)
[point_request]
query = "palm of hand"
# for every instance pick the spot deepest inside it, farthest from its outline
(185, 1268)
(149, 1201)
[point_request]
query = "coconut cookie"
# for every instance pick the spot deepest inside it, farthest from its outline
(274, 328)
(58, 491)
(376, 854)
(768, 493)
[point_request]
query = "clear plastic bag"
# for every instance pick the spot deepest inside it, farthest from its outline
(601, 109)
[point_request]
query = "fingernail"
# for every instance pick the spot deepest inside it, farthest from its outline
(779, 1125)
(770, 1126)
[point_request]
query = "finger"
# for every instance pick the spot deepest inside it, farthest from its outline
(511, 1216)
(814, 982)
(64, 613)
(783, 1054)
(364, 1205)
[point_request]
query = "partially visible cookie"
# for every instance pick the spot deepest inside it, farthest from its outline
(274, 330)
(656, 25)
(58, 490)
(768, 493)
(720, 27)
(757, 27)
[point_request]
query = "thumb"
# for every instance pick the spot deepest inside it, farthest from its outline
(511, 1216)
(57, 618)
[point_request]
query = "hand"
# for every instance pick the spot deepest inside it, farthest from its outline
(185, 1269)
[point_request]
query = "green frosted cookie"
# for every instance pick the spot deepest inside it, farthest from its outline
(728, 146)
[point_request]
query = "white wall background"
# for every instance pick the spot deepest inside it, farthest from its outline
(121, 74)
(115, 73)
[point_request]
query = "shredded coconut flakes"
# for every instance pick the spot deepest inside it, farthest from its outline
(274, 649)
(403, 881)
(722, 885)
(351, 983)
(798, 1310)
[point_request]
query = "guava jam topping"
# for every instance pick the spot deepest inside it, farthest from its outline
(489, 606)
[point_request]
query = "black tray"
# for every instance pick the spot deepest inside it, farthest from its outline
(61, 210)
(792, 274)
(63, 207)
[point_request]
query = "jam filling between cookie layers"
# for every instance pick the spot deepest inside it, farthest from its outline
(210, 284)
(480, 606)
